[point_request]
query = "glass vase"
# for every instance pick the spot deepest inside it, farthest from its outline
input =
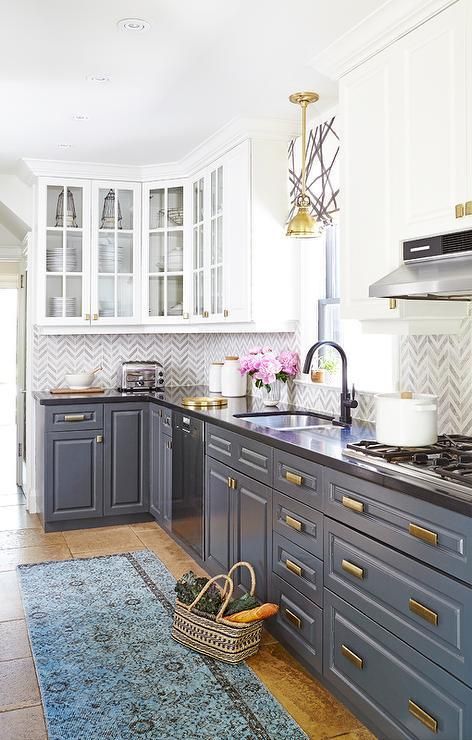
(272, 397)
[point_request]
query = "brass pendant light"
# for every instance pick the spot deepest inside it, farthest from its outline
(303, 225)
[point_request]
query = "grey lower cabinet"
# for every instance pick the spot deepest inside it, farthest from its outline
(126, 474)
(73, 475)
(160, 465)
(238, 525)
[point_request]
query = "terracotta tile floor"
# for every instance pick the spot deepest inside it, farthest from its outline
(23, 541)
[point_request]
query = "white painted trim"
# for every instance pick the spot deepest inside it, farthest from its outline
(220, 328)
(11, 254)
(394, 19)
(226, 138)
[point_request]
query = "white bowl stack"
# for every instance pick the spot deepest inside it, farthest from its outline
(54, 260)
(58, 306)
(106, 259)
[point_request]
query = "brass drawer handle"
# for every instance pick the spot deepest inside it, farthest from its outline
(351, 503)
(421, 533)
(297, 480)
(99, 439)
(294, 523)
(459, 210)
(422, 611)
(74, 417)
(232, 483)
(352, 569)
(352, 657)
(424, 717)
(290, 565)
(296, 621)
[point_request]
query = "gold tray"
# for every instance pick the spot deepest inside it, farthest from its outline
(204, 402)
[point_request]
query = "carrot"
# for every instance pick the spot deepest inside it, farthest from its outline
(252, 615)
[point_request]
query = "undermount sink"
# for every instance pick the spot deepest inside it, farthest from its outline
(291, 421)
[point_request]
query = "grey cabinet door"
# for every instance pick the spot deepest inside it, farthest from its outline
(165, 478)
(155, 489)
(251, 513)
(126, 483)
(218, 530)
(73, 476)
(242, 453)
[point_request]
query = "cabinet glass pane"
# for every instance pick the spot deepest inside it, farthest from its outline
(54, 296)
(213, 242)
(73, 299)
(73, 251)
(156, 252)
(175, 296)
(219, 206)
(195, 249)
(124, 296)
(125, 209)
(219, 291)
(156, 296)
(195, 203)
(213, 193)
(64, 207)
(106, 253)
(156, 208)
(200, 246)
(219, 239)
(124, 252)
(106, 297)
(200, 199)
(175, 206)
(54, 251)
(175, 251)
(109, 211)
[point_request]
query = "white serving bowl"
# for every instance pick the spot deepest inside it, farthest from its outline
(80, 380)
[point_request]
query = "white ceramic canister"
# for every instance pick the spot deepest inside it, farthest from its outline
(406, 419)
(214, 377)
(233, 384)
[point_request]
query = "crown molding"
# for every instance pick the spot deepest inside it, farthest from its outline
(384, 26)
(227, 137)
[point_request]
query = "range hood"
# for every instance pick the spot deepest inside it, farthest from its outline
(438, 268)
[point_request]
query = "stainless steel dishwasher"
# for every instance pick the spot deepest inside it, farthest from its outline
(188, 480)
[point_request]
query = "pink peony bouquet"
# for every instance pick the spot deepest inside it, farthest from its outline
(266, 366)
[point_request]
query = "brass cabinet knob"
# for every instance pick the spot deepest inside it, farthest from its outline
(468, 208)
(459, 210)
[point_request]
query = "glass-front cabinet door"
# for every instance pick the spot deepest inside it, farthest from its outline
(164, 253)
(64, 253)
(115, 253)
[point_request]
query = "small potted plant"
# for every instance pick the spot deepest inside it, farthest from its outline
(325, 365)
(269, 370)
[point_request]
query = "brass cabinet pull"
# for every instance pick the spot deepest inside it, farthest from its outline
(352, 657)
(351, 503)
(422, 611)
(290, 565)
(229, 482)
(99, 439)
(169, 444)
(185, 315)
(296, 621)
(392, 303)
(226, 313)
(424, 717)
(294, 523)
(74, 417)
(423, 534)
(205, 314)
(294, 478)
(459, 210)
(352, 569)
(95, 317)
(468, 208)
(232, 483)
(87, 317)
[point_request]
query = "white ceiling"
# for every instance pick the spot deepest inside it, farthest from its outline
(201, 64)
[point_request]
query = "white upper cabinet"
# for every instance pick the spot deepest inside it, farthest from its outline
(403, 166)
(115, 253)
(63, 273)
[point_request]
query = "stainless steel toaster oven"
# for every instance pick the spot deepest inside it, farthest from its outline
(140, 376)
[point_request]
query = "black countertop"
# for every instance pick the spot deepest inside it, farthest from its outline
(324, 446)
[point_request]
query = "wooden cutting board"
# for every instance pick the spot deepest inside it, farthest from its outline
(72, 391)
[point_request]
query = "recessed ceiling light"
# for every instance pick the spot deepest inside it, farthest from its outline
(64, 146)
(134, 25)
(80, 117)
(98, 78)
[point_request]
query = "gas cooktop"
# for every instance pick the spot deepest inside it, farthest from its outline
(449, 460)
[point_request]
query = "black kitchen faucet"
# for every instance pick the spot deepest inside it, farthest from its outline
(348, 401)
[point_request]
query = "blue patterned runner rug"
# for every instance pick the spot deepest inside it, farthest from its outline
(108, 668)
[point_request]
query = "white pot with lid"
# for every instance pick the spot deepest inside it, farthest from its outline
(406, 419)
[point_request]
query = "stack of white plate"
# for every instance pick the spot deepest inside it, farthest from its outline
(106, 309)
(106, 258)
(58, 306)
(54, 261)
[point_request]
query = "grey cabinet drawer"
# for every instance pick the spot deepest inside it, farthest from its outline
(74, 417)
(298, 523)
(404, 694)
(298, 622)
(241, 453)
(428, 610)
(296, 566)
(432, 534)
(298, 478)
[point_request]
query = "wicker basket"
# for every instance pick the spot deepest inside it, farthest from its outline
(217, 637)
